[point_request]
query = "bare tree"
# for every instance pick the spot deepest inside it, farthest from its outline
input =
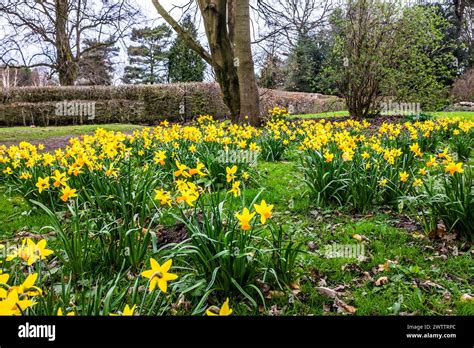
(50, 33)
(292, 19)
(227, 26)
(368, 32)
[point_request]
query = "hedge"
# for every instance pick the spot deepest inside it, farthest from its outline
(142, 104)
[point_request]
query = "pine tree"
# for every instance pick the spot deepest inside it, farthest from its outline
(272, 74)
(304, 65)
(96, 65)
(148, 59)
(185, 65)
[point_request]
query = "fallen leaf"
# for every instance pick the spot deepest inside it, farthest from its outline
(386, 266)
(438, 232)
(466, 298)
(327, 292)
(275, 294)
(311, 245)
(430, 284)
(347, 308)
(295, 292)
(274, 311)
(358, 237)
(295, 285)
(381, 281)
(417, 235)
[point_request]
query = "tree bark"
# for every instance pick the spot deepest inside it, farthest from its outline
(249, 96)
(222, 52)
(227, 26)
(67, 67)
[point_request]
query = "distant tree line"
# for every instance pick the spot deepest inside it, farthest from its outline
(361, 50)
(369, 49)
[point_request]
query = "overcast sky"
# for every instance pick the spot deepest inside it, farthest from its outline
(152, 19)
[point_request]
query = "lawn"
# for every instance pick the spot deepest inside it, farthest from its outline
(17, 134)
(344, 113)
(126, 210)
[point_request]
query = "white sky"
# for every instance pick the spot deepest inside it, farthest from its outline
(152, 19)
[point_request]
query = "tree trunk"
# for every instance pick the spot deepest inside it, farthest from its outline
(227, 26)
(67, 67)
(249, 96)
(222, 53)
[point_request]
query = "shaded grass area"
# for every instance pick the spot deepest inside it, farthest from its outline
(17, 215)
(426, 277)
(421, 282)
(17, 134)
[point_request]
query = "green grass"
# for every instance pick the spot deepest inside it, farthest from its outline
(16, 134)
(323, 115)
(417, 261)
(450, 114)
(17, 216)
(440, 114)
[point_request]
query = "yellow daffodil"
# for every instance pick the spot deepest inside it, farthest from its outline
(42, 184)
(111, 171)
(164, 197)
(3, 281)
(264, 210)
(431, 162)
(68, 314)
(192, 148)
(160, 157)
(59, 179)
(127, 311)
(453, 168)
(417, 182)
(197, 170)
(13, 305)
(181, 170)
(225, 310)
(328, 157)
(189, 194)
(68, 193)
(235, 188)
(244, 218)
(159, 275)
(347, 156)
(404, 176)
(28, 286)
(230, 173)
(31, 252)
(415, 148)
(25, 176)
